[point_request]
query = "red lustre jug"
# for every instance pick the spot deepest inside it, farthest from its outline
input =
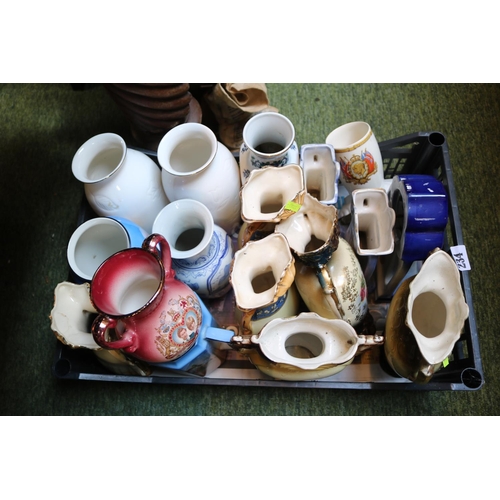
(143, 309)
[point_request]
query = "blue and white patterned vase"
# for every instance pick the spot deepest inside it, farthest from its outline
(268, 141)
(207, 272)
(202, 251)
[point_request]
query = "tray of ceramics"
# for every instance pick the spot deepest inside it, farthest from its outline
(422, 153)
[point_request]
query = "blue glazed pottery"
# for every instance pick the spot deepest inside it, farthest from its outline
(421, 206)
(135, 233)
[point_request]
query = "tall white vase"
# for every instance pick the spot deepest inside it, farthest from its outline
(119, 181)
(195, 165)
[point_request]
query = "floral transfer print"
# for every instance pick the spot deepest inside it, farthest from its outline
(355, 281)
(178, 326)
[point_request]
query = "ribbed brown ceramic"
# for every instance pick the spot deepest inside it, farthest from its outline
(153, 109)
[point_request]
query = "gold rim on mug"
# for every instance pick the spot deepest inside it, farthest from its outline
(354, 146)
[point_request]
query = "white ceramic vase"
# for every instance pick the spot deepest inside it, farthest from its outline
(268, 141)
(97, 239)
(201, 251)
(195, 165)
(119, 181)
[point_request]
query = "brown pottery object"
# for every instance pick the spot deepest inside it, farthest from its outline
(153, 109)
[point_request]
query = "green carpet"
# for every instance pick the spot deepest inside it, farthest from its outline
(41, 128)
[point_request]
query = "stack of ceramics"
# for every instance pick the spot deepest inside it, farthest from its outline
(154, 108)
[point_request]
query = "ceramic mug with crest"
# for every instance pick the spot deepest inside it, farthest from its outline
(358, 152)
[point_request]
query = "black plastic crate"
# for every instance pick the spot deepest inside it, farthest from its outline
(419, 153)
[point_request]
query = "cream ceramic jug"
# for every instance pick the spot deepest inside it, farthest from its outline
(306, 347)
(338, 289)
(425, 319)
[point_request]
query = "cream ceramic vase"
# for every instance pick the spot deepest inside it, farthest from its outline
(321, 172)
(425, 319)
(307, 347)
(372, 222)
(195, 165)
(119, 181)
(268, 141)
(338, 289)
(262, 276)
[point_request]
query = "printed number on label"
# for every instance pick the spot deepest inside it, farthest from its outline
(459, 254)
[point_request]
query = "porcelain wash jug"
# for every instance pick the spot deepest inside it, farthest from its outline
(262, 276)
(143, 309)
(71, 321)
(312, 232)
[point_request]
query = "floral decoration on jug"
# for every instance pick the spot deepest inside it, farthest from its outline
(179, 326)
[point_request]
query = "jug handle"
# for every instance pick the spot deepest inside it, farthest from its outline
(164, 255)
(370, 340)
(102, 324)
(328, 287)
